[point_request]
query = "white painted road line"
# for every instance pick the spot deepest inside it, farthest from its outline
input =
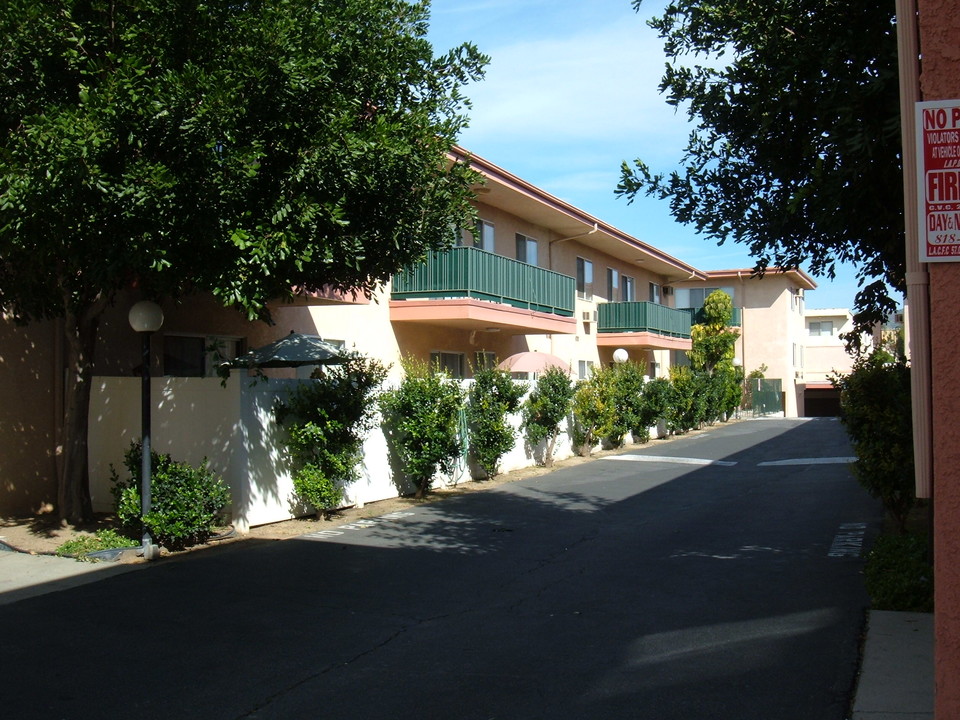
(362, 524)
(665, 459)
(809, 461)
(848, 541)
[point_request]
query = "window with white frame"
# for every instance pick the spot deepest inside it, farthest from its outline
(820, 328)
(628, 289)
(526, 249)
(198, 355)
(584, 369)
(613, 284)
(655, 293)
(584, 279)
(448, 362)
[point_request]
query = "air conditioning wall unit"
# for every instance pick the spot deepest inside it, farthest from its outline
(589, 316)
(667, 290)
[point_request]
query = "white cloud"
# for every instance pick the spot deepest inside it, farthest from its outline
(597, 85)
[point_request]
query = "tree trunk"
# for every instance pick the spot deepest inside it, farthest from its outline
(73, 490)
(548, 453)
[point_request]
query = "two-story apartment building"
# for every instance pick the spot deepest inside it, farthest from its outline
(535, 274)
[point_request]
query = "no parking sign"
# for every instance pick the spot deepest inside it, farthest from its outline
(938, 179)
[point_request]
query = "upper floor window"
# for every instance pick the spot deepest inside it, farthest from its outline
(613, 284)
(655, 293)
(695, 297)
(628, 289)
(526, 249)
(584, 279)
(820, 328)
(483, 237)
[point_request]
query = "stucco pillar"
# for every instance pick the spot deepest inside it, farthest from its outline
(940, 80)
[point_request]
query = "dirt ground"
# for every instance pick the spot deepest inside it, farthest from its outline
(44, 533)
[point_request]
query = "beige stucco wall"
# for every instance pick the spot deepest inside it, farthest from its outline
(826, 356)
(29, 408)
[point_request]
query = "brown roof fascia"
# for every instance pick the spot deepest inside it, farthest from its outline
(516, 184)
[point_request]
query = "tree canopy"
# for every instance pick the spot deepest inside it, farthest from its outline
(795, 150)
(239, 148)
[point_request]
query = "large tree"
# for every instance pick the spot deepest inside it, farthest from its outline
(239, 148)
(795, 150)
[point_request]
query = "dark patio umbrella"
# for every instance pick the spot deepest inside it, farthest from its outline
(294, 350)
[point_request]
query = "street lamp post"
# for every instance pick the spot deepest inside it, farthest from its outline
(145, 318)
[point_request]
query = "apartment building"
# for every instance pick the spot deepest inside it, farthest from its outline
(534, 274)
(769, 313)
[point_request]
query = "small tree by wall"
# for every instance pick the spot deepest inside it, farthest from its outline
(629, 402)
(421, 422)
(687, 404)
(711, 355)
(657, 399)
(493, 396)
(327, 418)
(546, 407)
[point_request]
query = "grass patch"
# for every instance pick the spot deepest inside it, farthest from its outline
(101, 540)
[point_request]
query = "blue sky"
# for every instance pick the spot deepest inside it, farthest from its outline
(570, 93)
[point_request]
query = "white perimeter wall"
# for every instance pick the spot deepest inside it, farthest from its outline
(234, 428)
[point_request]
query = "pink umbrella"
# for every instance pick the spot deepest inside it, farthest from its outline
(532, 362)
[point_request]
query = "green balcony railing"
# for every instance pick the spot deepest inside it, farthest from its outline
(467, 272)
(622, 317)
(696, 316)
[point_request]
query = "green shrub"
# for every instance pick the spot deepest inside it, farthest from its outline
(595, 412)
(657, 399)
(493, 397)
(327, 418)
(628, 402)
(185, 501)
(106, 539)
(876, 410)
(422, 423)
(899, 575)
(546, 407)
(688, 402)
(732, 392)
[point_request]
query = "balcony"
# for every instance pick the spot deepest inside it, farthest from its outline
(471, 289)
(696, 316)
(644, 325)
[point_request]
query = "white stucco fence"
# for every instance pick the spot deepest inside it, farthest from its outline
(235, 429)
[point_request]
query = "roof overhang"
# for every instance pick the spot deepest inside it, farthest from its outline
(798, 276)
(509, 193)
